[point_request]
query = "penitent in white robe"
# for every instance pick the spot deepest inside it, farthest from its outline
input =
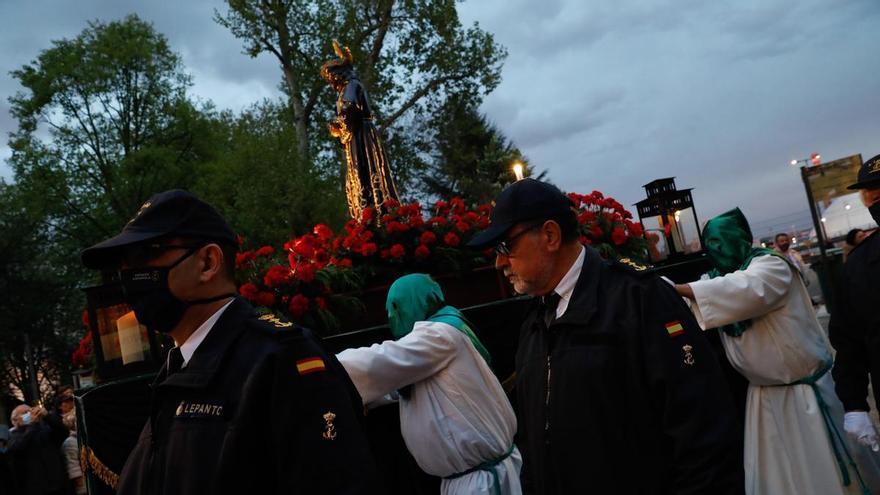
(788, 449)
(457, 415)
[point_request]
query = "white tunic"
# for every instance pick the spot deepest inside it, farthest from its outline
(787, 445)
(457, 415)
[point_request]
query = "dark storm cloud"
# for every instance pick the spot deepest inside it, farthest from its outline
(720, 96)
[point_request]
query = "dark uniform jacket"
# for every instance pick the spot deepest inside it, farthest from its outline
(259, 408)
(616, 397)
(35, 455)
(855, 326)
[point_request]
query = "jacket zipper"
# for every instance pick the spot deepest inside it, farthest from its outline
(547, 405)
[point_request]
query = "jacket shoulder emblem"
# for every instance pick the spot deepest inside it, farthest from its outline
(274, 321)
(632, 266)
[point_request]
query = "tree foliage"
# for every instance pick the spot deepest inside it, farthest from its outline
(259, 182)
(104, 122)
(473, 158)
(36, 299)
(412, 56)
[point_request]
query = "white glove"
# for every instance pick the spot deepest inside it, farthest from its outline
(858, 424)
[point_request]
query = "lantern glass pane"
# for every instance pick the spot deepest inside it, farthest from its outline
(655, 234)
(122, 338)
(684, 231)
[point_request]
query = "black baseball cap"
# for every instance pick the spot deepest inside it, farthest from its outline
(526, 199)
(170, 213)
(869, 175)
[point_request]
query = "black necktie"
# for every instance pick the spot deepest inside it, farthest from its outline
(175, 360)
(550, 301)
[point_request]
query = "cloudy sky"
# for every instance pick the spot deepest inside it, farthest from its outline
(604, 94)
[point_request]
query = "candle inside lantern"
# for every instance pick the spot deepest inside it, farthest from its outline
(131, 343)
(518, 170)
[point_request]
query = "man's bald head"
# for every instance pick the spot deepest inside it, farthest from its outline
(17, 413)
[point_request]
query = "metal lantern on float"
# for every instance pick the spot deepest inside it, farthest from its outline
(669, 221)
(123, 347)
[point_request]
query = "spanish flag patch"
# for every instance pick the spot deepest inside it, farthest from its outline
(674, 328)
(310, 365)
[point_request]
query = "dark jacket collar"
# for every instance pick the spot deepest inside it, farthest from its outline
(207, 358)
(583, 301)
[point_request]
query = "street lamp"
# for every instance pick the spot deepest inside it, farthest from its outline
(814, 159)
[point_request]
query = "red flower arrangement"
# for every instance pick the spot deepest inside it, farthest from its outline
(84, 355)
(305, 279)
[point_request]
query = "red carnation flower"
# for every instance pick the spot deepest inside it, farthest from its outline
(438, 221)
(323, 232)
(248, 291)
(397, 251)
(305, 272)
(265, 299)
(265, 251)
(299, 305)
(618, 236)
(303, 247)
(320, 302)
(596, 232)
(344, 263)
(422, 252)
(451, 239)
(368, 214)
(428, 237)
(242, 258)
(635, 229)
(369, 249)
(462, 226)
(276, 276)
(586, 217)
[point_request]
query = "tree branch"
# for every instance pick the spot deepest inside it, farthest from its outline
(418, 95)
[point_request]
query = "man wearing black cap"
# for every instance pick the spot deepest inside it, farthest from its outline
(243, 404)
(855, 321)
(617, 389)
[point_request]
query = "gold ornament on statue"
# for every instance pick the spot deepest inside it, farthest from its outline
(368, 180)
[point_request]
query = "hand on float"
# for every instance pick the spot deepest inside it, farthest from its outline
(684, 290)
(858, 424)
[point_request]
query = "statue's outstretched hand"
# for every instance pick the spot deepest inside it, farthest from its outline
(337, 128)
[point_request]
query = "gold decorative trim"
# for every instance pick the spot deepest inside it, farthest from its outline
(90, 462)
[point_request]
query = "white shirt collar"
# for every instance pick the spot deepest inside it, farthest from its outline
(195, 339)
(565, 288)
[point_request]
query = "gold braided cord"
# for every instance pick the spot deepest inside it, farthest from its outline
(90, 462)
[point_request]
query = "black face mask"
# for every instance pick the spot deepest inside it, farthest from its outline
(146, 291)
(874, 210)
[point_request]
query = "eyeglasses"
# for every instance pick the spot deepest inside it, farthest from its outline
(506, 246)
(141, 254)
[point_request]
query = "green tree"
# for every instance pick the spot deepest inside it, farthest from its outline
(104, 122)
(412, 56)
(472, 159)
(36, 301)
(259, 182)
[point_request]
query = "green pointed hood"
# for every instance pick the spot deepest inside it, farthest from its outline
(417, 297)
